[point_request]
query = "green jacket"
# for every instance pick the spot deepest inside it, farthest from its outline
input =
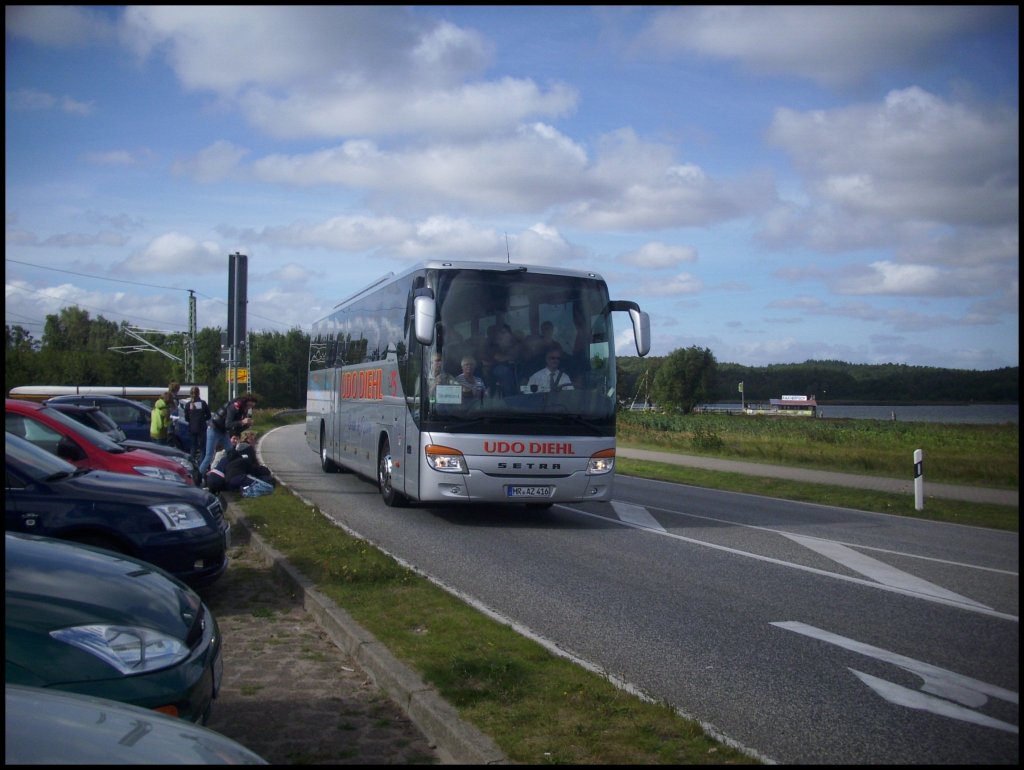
(160, 420)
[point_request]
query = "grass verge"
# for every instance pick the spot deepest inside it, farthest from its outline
(538, 707)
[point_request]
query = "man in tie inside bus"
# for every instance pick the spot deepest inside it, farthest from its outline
(551, 378)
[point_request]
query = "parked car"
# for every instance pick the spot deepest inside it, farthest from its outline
(57, 433)
(89, 621)
(179, 528)
(95, 418)
(131, 416)
(98, 731)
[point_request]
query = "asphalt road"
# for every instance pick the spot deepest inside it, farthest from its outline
(802, 633)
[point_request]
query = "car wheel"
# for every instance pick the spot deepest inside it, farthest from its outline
(385, 479)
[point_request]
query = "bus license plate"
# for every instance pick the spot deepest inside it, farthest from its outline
(518, 491)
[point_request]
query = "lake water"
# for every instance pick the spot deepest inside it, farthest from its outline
(979, 414)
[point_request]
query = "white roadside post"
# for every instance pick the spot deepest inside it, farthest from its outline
(918, 480)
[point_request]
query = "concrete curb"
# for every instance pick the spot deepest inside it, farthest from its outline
(457, 741)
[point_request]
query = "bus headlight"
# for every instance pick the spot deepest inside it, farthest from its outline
(445, 459)
(601, 462)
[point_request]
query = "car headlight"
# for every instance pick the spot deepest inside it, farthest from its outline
(129, 649)
(157, 473)
(184, 462)
(177, 516)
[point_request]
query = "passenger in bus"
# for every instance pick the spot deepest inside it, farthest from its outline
(472, 386)
(503, 350)
(437, 375)
(551, 378)
(537, 345)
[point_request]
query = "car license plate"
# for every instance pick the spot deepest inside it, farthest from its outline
(520, 491)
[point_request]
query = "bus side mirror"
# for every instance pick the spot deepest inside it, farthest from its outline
(424, 315)
(641, 330)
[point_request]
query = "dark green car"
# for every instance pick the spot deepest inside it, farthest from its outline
(90, 621)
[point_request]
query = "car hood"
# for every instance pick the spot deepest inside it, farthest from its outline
(53, 584)
(97, 731)
(164, 450)
(59, 584)
(105, 486)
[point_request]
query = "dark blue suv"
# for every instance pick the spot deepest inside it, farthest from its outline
(131, 416)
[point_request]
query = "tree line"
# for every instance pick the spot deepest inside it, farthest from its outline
(690, 376)
(78, 350)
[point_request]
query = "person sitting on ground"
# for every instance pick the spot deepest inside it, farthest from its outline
(550, 379)
(237, 466)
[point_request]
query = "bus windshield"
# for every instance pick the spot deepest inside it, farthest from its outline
(514, 346)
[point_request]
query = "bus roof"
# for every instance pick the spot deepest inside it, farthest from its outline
(449, 264)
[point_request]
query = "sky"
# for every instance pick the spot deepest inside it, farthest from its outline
(773, 183)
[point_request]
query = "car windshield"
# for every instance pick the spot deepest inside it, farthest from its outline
(102, 440)
(37, 463)
(93, 417)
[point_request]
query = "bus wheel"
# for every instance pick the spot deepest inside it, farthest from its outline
(385, 480)
(326, 465)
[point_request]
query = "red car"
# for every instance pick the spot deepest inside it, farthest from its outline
(82, 446)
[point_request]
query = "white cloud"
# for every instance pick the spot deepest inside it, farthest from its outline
(339, 71)
(63, 26)
(681, 284)
(31, 99)
(914, 156)
(219, 161)
(119, 157)
(657, 255)
(832, 45)
(174, 253)
(527, 171)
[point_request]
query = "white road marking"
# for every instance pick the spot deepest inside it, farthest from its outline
(939, 687)
(636, 514)
(902, 696)
(971, 606)
(877, 570)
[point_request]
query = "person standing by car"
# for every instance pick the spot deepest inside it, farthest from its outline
(230, 420)
(160, 418)
(198, 412)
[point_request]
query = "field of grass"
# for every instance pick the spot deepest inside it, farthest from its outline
(977, 455)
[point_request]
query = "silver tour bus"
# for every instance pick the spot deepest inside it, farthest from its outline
(462, 382)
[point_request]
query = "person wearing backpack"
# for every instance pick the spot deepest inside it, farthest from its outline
(198, 412)
(230, 420)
